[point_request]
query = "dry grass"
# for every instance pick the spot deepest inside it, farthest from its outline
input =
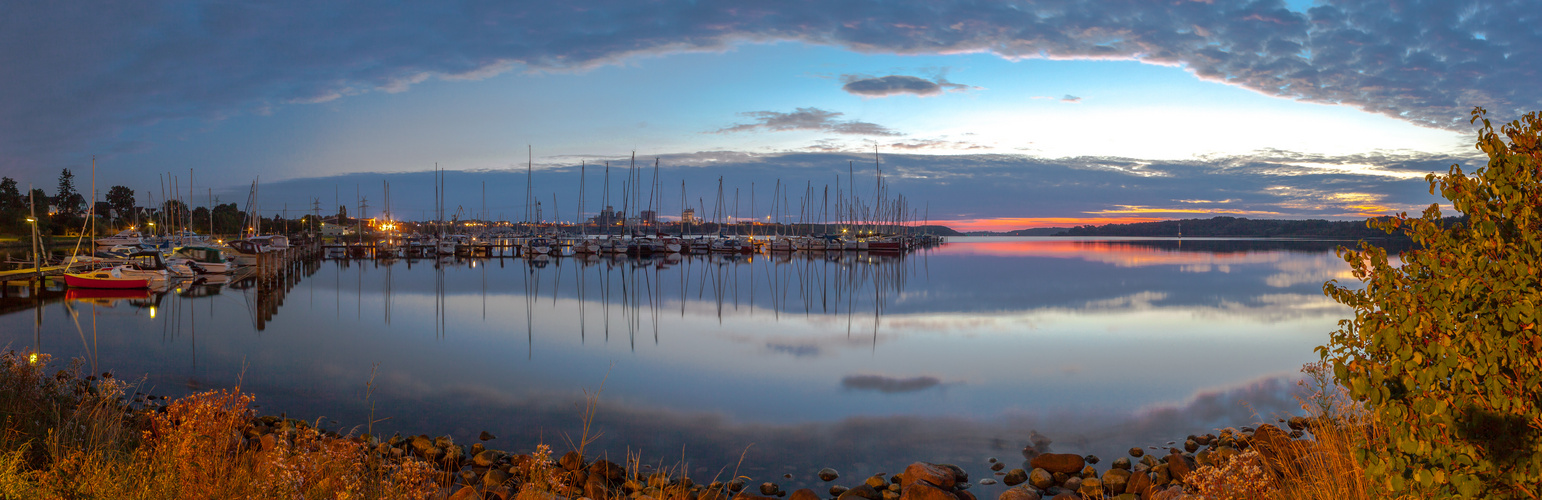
(1324, 466)
(68, 436)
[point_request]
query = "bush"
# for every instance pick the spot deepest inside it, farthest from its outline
(1444, 348)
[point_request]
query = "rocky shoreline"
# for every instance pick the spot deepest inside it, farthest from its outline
(477, 471)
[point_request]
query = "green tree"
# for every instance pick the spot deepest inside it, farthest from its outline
(12, 207)
(67, 200)
(122, 200)
(1444, 349)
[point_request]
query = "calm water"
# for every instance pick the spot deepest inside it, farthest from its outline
(862, 363)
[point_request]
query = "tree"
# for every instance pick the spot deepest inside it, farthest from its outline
(122, 200)
(1444, 349)
(68, 200)
(12, 206)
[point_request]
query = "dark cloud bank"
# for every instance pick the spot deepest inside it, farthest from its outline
(83, 71)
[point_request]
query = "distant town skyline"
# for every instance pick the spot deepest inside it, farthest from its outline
(990, 116)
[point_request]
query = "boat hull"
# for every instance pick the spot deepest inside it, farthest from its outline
(104, 281)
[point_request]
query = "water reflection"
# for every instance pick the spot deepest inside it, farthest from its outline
(849, 360)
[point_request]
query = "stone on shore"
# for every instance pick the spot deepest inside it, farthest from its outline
(1014, 477)
(768, 489)
(1019, 494)
(1041, 479)
(1179, 467)
(938, 475)
(827, 474)
(921, 489)
(1122, 463)
(1115, 480)
(861, 491)
(571, 461)
(803, 494)
(1137, 452)
(1059, 462)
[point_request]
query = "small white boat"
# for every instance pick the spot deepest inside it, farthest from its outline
(125, 237)
(203, 259)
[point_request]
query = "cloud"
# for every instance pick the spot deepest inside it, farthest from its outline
(924, 144)
(806, 119)
(887, 384)
(885, 86)
(1070, 98)
(89, 72)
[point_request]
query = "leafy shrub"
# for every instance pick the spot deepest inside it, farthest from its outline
(1444, 348)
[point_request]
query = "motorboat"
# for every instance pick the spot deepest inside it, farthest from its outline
(108, 278)
(125, 237)
(272, 242)
(150, 265)
(203, 259)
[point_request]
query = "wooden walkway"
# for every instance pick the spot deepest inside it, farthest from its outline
(29, 273)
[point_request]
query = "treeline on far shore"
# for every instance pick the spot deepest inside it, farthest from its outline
(1229, 227)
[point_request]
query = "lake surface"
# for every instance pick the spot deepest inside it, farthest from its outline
(764, 365)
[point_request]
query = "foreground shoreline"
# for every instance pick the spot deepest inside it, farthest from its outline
(235, 450)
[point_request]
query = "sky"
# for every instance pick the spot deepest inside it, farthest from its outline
(984, 115)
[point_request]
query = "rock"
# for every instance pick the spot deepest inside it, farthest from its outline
(1191, 446)
(803, 494)
(609, 470)
(1204, 440)
(861, 491)
(486, 436)
(987, 481)
(1271, 443)
(1066, 495)
(747, 496)
(1122, 463)
(1091, 488)
(1092, 459)
(598, 487)
(921, 489)
(444, 441)
(1149, 461)
(835, 491)
(827, 474)
(1059, 462)
(1115, 480)
(1127, 496)
(998, 466)
(963, 494)
(1015, 477)
(494, 478)
(466, 493)
(1140, 484)
(877, 482)
(1072, 483)
(485, 459)
(768, 489)
(1041, 479)
(734, 485)
(938, 475)
(1137, 452)
(1162, 476)
(1019, 494)
(1297, 423)
(660, 480)
(890, 495)
(1060, 477)
(571, 461)
(959, 476)
(1179, 467)
(1224, 454)
(1088, 471)
(894, 487)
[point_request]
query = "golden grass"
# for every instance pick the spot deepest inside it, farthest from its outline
(1324, 466)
